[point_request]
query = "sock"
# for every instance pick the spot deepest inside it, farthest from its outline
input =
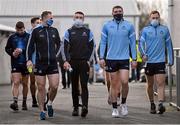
(34, 99)
(152, 102)
(123, 101)
(161, 102)
(15, 99)
(114, 105)
(49, 102)
(24, 100)
(119, 95)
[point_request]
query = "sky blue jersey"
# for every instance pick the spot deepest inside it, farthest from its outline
(120, 39)
(156, 43)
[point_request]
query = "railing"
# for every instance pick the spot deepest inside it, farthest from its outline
(170, 79)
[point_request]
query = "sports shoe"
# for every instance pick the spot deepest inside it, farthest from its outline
(24, 106)
(115, 113)
(84, 111)
(50, 110)
(153, 108)
(14, 106)
(161, 109)
(75, 112)
(42, 116)
(124, 109)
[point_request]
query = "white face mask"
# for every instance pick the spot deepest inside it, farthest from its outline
(155, 22)
(78, 22)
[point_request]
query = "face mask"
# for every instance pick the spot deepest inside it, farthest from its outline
(49, 22)
(118, 17)
(154, 22)
(78, 22)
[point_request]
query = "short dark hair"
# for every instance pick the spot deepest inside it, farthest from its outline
(116, 7)
(154, 12)
(33, 20)
(20, 25)
(79, 12)
(45, 13)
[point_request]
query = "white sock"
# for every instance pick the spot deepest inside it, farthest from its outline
(49, 102)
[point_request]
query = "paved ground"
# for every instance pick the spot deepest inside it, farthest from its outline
(99, 110)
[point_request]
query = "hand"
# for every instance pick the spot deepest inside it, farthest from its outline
(66, 65)
(102, 63)
(133, 64)
(16, 53)
(29, 64)
(145, 58)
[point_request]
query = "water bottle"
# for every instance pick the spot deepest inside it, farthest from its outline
(30, 69)
(70, 69)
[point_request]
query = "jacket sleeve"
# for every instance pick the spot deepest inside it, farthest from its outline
(103, 42)
(91, 45)
(9, 48)
(132, 38)
(169, 47)
(65, 47)
(58, 42)
(142, 43)
(30, 46)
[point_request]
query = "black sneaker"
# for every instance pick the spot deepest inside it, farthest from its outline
(153, 109)
(14, 106)
(84, 111)
(34, 103)
(75, 112)
(161, 109)
(24, 106)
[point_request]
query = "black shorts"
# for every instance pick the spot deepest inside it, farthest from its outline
(115, 65)
(43, 70)
(19, 68)
(155, 68)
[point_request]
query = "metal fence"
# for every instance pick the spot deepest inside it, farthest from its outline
(175, 70)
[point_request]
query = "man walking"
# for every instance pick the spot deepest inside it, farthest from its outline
(155, 44)
(78, 47)
(16, 48)
(119, 37)
(46, 41)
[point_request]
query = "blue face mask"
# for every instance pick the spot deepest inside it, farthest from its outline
(49, 22)
(154, 22)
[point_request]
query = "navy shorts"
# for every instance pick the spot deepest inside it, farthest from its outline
(155, 68)
(43, 70)
(19, 68)
(115, 65)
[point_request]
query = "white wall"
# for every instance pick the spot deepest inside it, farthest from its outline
(4, 63)
(176, 24)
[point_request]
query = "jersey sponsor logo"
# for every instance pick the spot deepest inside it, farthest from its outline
(84, 34)
(41, 35)
(72, 33)
(123, 27)
(161, 32)
(53, 36)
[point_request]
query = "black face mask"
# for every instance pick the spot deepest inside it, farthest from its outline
(118, 17)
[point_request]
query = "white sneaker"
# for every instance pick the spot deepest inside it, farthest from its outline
(115, 113)
(124, 109)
